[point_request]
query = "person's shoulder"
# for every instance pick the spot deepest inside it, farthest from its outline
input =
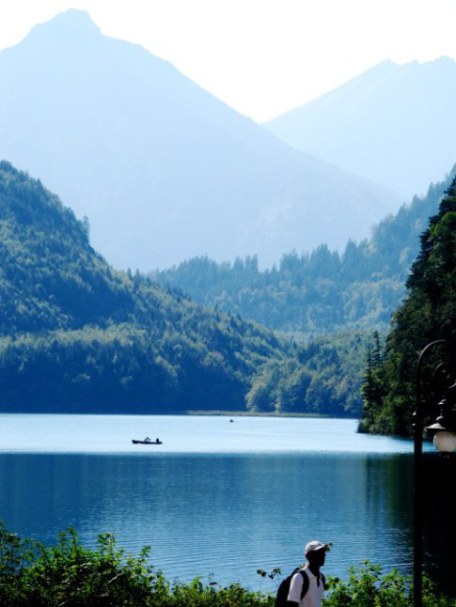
(296, 572)
(297, 576)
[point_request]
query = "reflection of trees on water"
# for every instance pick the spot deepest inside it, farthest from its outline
(440, 520)
(389, 493)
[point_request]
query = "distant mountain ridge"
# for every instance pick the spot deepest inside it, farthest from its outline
(393, 124)
(162, 169)
(322, 291)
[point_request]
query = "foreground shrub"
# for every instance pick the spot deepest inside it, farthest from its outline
(368, 587)
(69, 575)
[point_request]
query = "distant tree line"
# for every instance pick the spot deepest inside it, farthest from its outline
(321, 291)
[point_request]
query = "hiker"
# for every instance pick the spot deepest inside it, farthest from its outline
(308, 591)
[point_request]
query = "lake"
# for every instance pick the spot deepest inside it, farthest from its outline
(220, 498)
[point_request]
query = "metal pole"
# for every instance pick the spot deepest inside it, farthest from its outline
(418, 483)
(418, 507)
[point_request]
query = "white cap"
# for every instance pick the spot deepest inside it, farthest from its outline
(315, 545)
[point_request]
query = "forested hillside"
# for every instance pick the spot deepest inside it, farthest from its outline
(78, 336)
(428, 313)
(323, 377)
(321, 291)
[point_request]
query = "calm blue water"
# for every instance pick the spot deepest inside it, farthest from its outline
(186, 435)
(218, 499)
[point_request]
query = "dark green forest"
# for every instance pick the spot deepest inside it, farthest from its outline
(322, 291)
(427, 313)
(76, 335)
(337, 306)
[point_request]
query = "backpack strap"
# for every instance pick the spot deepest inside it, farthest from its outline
(305, 583)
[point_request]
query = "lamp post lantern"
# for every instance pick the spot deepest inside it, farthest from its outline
(445, 441)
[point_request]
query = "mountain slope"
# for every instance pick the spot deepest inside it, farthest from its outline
(163, 170)
(324, 290)
(427, 314)
(75, 335)
(392, 124)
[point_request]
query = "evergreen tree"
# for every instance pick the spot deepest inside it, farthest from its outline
(427, 314)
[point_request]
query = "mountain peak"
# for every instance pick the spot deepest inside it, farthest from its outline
(145, 153)
(72, 24)
(369, 125)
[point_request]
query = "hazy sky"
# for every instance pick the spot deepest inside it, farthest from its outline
(262, 57)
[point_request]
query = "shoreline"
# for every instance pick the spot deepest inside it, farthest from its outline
(222, 413)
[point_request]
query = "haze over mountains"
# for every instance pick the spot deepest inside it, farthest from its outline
(162, 169)
(393, 124)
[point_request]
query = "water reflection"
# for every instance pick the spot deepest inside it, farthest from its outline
(228, 515)
(440, 520)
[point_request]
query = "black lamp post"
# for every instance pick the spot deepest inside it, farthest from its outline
(445, 441)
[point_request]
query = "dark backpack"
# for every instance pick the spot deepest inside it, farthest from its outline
(284, 588)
